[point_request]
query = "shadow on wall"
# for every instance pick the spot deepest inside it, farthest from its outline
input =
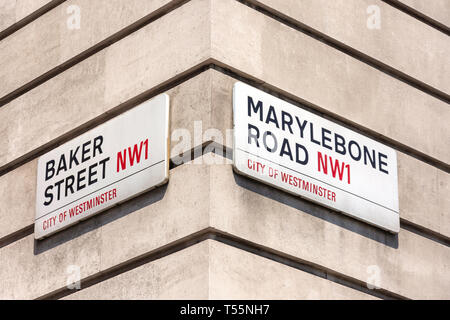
(100, 220)
(155, 195)
(121, 210)
(307, 207)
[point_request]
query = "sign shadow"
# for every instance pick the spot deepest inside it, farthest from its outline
(96, 222)
(308, 207)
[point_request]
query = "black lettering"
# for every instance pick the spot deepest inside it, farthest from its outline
(382, 163)
(301, 126)
(48, 195)
(92, 173)
(311, 127)
(272, 117)
(73, 157)
(285, 146)
(62, 164)
(339, 147)
(275, 146)
(98, 145)
(69, 184)
(256, 109)
(85, 152)
(297, 159)
(354, 143)
(58, 184)
(324, 138)
(286, 123)
(49, 169)
(253, 136)
(371, 159)
(80, 179)
(103, 164)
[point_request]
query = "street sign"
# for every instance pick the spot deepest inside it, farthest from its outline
(109, 164)
(285, 146)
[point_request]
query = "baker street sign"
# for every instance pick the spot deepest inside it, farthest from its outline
(109, 164)
(280, 144)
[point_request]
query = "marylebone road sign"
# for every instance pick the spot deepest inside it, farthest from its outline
(280, 144)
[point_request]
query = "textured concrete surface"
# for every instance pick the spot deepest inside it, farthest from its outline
(25, 275)
(438, 10)
(199, 196)
(230, 278)
(207, 97)
(423, 189)
(293, 62)
(93, 86)
(410, 265)
(402, 42)
(12, 11)
(424, 194)
(307, 69)
(7, 14)
(30, 269)
(47, 42)
(180, 275)
(190, 101)
(18, 198)
(418, 182)
(213, 270)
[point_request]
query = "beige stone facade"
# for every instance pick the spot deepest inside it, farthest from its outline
(380, 68)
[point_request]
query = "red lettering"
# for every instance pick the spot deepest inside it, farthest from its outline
(322, 163)
(336, 167)
(134, 155)
(122, 160)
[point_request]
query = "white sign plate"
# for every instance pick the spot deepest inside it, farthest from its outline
(109, 164)
(280, 144)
